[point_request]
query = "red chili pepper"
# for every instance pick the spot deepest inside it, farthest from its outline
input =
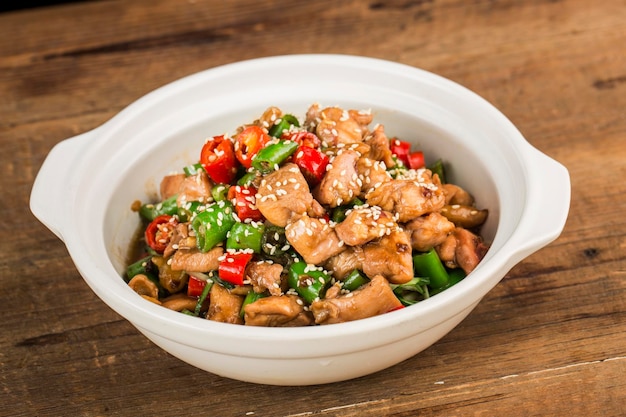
(401, 150)
(248, 143)
(400, 307)
(218, 159)
(303, 138)
(195, 286)
(311, 162)
(159, 232)
(416, 160)
(244, 203)
(233, 267)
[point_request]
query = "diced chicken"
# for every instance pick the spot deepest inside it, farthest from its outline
(265, 276)
(389, 256)
(171, 280)
(464, 216)
(170, 185)
(337, 126)
(277, 311)
(374, 298)
(428, 231)
(379, 146)
(408, 198)
(225, 307)
(462, 249)
(363, 224)
(269, 116)
(456, 195)
(341, 183)
(195, 187)
(193, 260)
(284, 193)
(313, 239)
(180, 234)
(179, 302)
(372, 174)
(345, 262)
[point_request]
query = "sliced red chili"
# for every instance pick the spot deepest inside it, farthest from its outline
(159, 232)
(303, 138)
(248, 143)
(233, 267)
(218, 159)
(401, 150)
(245, 202)
(416, 160)
(312, 163)
(195, 286)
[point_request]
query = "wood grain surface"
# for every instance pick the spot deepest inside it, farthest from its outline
(549, 340)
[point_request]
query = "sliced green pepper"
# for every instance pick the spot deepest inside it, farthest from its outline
(220, 192)
(354, 280)
(456, 275)
(429, 265)
(142, 266)
(438, 168)
(151, 211)
(245, 236)
(212, 225)
(274, 241)
(339, 213)
(411, 292)
(285, 123)
(186, 212)
(273, 155)
(251, 297)
(203, 296)
(248, 178)
(309, 282)
(193, 169)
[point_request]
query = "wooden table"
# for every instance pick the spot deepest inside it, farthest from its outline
(549, 340)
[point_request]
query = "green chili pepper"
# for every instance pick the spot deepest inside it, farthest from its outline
(274, 241)
(248, 178)
(212, 225)
(142, 266)
(220, 192)
(285, 123)
(151, 211)
(456, 275)
(354, 280)
(411, 292)
(309, 282)
(193, 169)
(339, 213)
(245, 236)
(251, 297)
(438, 168)
(429, 265)
(186, 212)
(273, 155)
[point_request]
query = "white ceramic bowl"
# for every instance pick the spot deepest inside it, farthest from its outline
(85, 188)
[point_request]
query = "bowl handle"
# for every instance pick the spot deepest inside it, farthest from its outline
(49, 194)
(547, 205)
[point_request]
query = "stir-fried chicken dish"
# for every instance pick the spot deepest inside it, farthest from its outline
(298, 222)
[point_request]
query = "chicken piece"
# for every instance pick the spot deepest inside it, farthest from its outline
(363, 224)
(379, 146)
(340, 184)
(225, 307)
(179, 235)
(269, 117)
(283, 193)
(345, 262)
(408, 198)
(170, 185)
(265, 276)
(172, 281)
(314, 239)
(372, 174)
(456, 195)
(428, 231)
(389, 256)
(193, 260)
(374, 298)
(464, 216)
(337, 126)
(179, 302)
(277, 311)
(462, 249)
(195, 187)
